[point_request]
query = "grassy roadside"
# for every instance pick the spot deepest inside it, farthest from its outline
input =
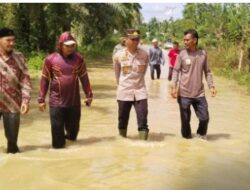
(242, 77)
(224, 63)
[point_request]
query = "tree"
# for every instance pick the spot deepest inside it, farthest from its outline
(38, 25)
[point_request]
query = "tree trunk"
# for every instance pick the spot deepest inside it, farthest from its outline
(240, 59)
(241, 53)
(248, 60)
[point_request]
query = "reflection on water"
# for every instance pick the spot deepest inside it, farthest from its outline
(100, 159)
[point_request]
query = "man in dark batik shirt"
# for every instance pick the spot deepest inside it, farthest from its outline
(61, 73)
(15, 88)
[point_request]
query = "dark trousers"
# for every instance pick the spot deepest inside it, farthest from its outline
(170, 73)
(141, 108)
(201, 109)
(11, 123)
(156, 67)
(64, 119)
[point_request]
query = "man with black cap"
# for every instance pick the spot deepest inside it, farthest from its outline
(15, 87)
(130, 65)
(62, 71)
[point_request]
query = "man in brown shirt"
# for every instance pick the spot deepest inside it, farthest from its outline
(15, 87)
(190, 65)
(130, 66)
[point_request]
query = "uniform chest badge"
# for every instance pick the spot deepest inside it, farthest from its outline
(124, 57)
(126, 69)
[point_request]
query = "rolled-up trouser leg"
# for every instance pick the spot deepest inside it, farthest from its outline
(11, 123)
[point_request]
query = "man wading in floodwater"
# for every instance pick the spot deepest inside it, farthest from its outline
(62, 72)
(190, 65)
(15, 88)
(130, 65)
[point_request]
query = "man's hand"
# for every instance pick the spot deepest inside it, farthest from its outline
(42, 107)
(24, 108)
(213, 91)
(174, 92)
(88, 102)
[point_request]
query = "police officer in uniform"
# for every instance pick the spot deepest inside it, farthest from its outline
(130, 65)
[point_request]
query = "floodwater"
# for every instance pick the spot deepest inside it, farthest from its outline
(101, 160)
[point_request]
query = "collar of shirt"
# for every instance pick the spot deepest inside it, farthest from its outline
(130, 54)
(6, 59)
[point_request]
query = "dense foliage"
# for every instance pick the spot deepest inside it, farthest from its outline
(37, 25)
(224, 30)
(214, 22)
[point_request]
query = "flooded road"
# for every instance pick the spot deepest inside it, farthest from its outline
(101, 160)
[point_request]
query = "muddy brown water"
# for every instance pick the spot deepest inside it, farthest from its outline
(101, 160)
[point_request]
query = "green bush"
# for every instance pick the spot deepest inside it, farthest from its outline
(242, 77)
(100, 49)
(224, 62)
(35, 60)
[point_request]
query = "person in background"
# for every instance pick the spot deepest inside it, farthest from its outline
(15, 88)
(156, 59)
(130, 65)
(172, 54)
(190, 66)
(120, 46)
(62, 71)
(141, 42)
